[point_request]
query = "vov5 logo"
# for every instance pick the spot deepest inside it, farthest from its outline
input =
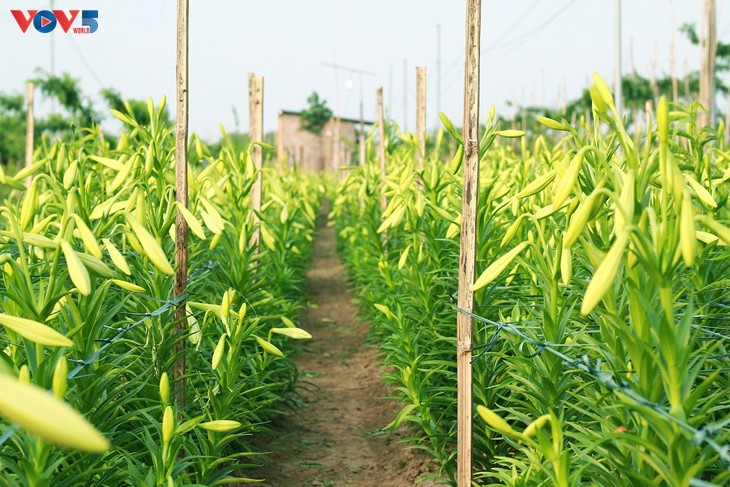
(45, 21)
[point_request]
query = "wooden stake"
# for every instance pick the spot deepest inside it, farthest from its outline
(421, 113)
(256, 134)
(29, 132)
(181, 196)
(381, 145)
(708, 48)
(649, 112)
(467, 245)
(619, 58)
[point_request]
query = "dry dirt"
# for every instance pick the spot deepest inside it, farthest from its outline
(336, 438)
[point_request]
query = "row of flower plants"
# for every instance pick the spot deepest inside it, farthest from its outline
(88, 316)
(601, 351)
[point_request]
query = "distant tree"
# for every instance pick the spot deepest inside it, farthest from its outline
(314, 118)
(722, 55)
(12, 128)
(138, 107)
(67, 92)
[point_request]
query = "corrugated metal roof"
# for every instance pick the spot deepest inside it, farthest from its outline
(342, 119)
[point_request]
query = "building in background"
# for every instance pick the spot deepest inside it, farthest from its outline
(313, 152)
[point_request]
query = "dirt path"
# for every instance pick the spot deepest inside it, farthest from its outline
(335, 440)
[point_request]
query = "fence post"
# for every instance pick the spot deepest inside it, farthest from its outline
(181, 196)
(421, 113)
(29, 131)
(708, 49)
(470, 196)
(381, 145)
(256, 134)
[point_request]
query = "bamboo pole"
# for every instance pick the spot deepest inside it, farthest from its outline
(256, 134)
(708, 48)
(381, 145)
(467, 245)
(421, 113)
(29, 131)
(649, 112)
(619, 59)
(181, 196)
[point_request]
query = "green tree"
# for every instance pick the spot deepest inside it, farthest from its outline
(67, 92)
(12, 128)
(138, 108)
(316, 116)
(722, 56)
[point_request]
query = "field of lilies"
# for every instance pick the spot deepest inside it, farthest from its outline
(88, 315)
(600, 339)
(600, 333)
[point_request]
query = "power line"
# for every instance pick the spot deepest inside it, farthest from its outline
(85, 62)
(524, 15)
(520, 40)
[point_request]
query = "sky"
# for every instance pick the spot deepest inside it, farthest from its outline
(532, 52)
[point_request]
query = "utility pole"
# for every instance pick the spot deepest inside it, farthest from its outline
(438, 68)
(619, 64)
(360, 73)
(708, 49)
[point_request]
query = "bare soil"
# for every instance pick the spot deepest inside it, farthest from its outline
(336, 439)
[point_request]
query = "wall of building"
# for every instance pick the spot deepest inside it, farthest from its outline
(313, 152)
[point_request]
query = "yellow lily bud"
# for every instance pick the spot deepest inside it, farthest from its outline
(494, 420)
(269, 347)
(295, 333)
(164, 388)
(536, 425)
(496, 268)
(41, 414)
(168, 425)
(60, 373)
(220, 425)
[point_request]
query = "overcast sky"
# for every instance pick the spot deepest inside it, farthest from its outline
(530, 49)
